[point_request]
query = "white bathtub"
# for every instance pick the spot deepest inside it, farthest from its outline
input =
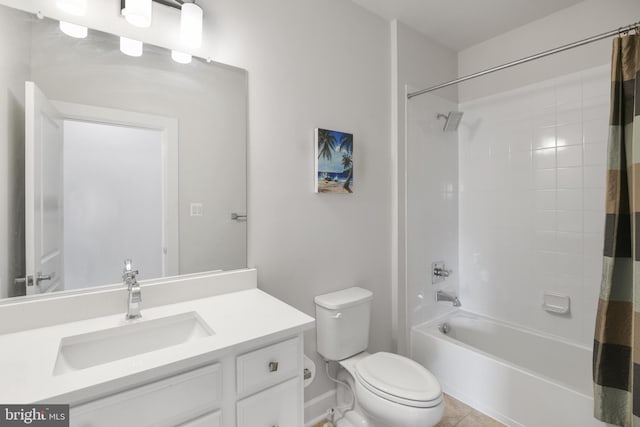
(517, 376)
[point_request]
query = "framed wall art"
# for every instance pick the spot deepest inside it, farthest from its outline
(334, 161)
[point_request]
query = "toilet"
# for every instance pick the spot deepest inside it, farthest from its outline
(390, 390)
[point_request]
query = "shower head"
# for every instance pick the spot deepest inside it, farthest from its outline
(452, 120)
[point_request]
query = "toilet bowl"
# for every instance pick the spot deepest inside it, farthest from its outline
(390, 390)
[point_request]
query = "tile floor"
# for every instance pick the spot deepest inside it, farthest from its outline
(458, 414)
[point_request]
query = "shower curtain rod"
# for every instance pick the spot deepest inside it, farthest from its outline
(628, 28)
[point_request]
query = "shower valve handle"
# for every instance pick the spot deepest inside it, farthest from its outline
(441, 272)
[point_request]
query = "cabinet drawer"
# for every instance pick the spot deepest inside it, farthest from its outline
(212, 419)
(279, 406)
(163, 403)
(267, 366)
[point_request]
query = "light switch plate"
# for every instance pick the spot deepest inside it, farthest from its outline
(196, 209)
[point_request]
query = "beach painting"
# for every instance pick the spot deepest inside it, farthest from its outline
(334, 162)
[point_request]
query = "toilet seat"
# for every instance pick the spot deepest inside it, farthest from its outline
(399, 380)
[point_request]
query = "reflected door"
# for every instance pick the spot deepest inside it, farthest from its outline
(43, 193)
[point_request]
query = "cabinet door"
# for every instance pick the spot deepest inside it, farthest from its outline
(167, 402)
(212, 419)
(278, 406)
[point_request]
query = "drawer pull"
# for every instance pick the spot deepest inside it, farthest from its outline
(273, 367)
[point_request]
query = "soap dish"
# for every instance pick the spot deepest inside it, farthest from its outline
(556, 303)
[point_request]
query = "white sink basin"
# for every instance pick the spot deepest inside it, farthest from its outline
(108, 345)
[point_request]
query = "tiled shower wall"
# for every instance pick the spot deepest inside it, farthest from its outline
(532, 179)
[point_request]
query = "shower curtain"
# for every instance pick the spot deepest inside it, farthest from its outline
(616, 352)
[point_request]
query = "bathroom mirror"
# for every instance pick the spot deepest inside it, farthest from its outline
(107, 156)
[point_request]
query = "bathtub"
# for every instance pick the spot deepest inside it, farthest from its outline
(517, 376)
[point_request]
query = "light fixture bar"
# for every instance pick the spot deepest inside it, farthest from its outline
(176, 4)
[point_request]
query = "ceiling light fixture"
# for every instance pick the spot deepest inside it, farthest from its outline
(138, 12)
(191, 25)
(180, 57)
(73, 7)
(73, 30)
(130, 47)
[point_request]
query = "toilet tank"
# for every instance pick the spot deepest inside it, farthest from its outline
(342, 322)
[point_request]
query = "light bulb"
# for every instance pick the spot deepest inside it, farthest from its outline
(73, 30)
(191, 25)
(180, 57)
(138, 12)
(130, 47)
(73, 7)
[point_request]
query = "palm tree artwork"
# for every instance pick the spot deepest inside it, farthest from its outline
(334, 161)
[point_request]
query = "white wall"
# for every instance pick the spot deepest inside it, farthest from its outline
(316, 64)
(112, 202)
(574, 23)
(311, 64)
(15, 43)
(417, 62)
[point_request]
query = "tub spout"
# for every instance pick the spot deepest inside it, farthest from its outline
(443, 296)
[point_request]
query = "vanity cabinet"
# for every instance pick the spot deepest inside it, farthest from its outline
(167, 402)
(254, 385)
(267, 366)
(273, 374)
(212, 419)
(276, 406)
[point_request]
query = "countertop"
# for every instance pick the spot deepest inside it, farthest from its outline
(27, 358)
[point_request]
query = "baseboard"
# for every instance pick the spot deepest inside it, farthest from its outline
(315, 410)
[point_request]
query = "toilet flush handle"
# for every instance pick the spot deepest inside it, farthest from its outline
(337, 315)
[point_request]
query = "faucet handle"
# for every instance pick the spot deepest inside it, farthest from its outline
(128, 267)
(129, 273)
(442, 272)
(439, 272)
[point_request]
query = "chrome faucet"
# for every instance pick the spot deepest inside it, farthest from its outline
(443, 296)
(135, 295)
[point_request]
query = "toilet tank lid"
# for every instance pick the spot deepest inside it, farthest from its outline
(344, 298)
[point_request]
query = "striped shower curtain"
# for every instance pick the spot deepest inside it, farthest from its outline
(616, 352)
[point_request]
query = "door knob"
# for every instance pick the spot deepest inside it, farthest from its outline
(43, 277)
(27, 280)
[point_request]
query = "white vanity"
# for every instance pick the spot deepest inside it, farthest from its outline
(223, 354)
